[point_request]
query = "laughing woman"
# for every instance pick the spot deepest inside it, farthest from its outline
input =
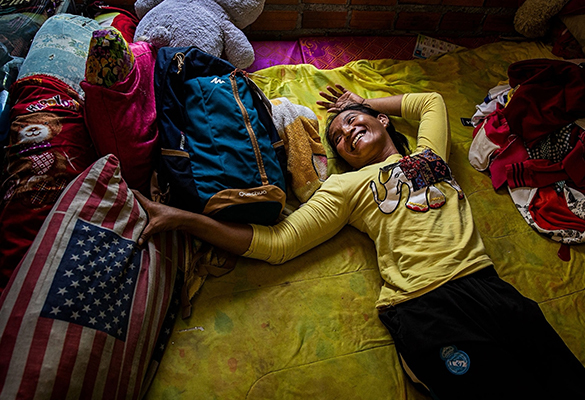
(461, 331)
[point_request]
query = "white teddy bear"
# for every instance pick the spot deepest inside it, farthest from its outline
(214, 26)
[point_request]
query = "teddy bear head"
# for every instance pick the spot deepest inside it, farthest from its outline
(212, 25)
(243, 12)
(34, 128)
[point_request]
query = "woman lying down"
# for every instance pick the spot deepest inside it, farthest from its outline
(461, 332)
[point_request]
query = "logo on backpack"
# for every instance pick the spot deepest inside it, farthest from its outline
(217, 81)
(252, 194)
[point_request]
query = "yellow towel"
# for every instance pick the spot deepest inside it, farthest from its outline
(298, 128)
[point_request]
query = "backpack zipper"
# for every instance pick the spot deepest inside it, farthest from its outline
(249, 128)
(180, 59)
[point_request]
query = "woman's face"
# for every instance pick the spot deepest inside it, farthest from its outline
(361, 139)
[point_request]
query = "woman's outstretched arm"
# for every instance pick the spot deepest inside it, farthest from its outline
(232, 237)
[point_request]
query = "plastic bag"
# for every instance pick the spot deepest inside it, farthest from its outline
(21, 19)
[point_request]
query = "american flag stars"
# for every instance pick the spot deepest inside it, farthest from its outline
(95, 281)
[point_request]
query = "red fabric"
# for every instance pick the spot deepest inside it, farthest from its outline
(550, 211)
(539, 173)
(18, 228)
(47, 94)
(81, 315)
(551, 95)
(49, 146)
(515, 152)
(511, 150)
(126, 24)
(125, 21)
(122, 119)
(535, 173)
(564, 43)
(497, 129)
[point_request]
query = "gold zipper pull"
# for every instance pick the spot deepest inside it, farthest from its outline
(241, 71)
(180, 59)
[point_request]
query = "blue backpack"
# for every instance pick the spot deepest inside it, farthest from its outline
(218, 139)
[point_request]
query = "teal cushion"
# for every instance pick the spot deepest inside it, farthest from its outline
(60, 49)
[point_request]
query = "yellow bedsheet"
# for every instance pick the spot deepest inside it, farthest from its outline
(308, 329)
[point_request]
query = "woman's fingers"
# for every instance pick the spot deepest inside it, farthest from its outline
(329, 106)
(138, 195)
(340, 88)
(327, 96)
(334, 92)
(145, 234)
(333, 98)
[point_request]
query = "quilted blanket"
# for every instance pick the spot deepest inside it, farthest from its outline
(308, 329)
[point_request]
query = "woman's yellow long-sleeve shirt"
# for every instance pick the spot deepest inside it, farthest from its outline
(411, 207)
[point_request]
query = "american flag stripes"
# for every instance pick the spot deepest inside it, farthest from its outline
(82, 313)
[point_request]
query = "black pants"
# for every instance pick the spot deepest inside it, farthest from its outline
(478, 338)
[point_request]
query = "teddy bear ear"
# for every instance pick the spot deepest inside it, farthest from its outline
(157, 36)
(238, 49)
(242, 12)
(143, 6)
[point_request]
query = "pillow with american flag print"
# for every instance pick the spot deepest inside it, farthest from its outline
(81, 314)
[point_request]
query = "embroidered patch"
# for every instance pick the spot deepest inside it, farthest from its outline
(419, 173)
(424, 169)
(456, 361)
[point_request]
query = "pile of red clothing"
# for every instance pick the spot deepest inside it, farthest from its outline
(535, 145)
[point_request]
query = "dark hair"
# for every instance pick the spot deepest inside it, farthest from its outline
(400, 141)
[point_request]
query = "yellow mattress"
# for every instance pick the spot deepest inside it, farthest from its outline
(308, 329)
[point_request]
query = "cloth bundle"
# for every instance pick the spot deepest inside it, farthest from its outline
(298, 128)
(534, 146)
(120, 110)
(49, 144)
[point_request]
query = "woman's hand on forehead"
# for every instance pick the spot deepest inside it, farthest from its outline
(338, 98)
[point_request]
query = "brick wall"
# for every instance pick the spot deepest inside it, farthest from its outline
(291, 19)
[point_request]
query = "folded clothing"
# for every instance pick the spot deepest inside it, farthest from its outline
(48, 147)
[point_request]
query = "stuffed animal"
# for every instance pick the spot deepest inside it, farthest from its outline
(212, 25)
(532, 17)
